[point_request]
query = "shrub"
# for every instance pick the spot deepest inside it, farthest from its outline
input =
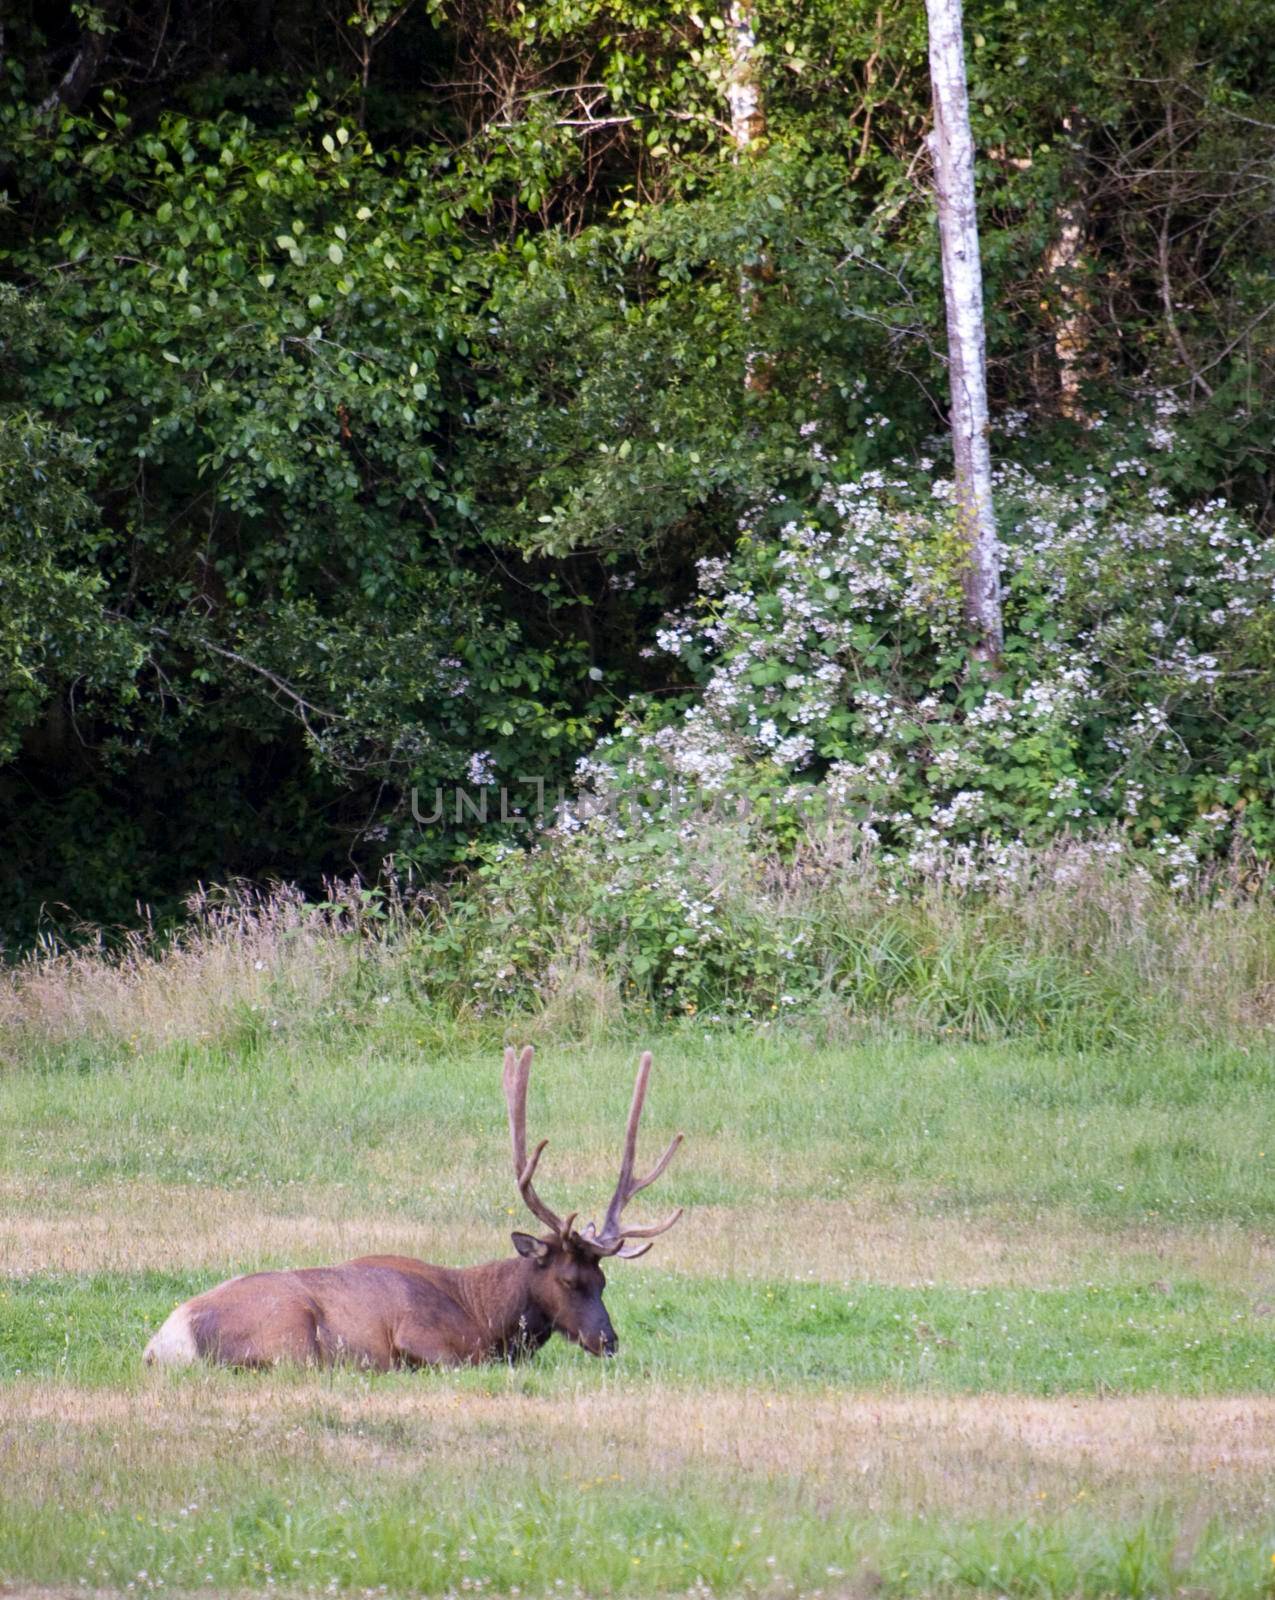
(850, 815)
(847, 823)
(1137, 687)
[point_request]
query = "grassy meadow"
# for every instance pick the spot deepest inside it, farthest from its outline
(941, 1317)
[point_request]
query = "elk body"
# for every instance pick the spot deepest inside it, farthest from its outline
(391, 1311)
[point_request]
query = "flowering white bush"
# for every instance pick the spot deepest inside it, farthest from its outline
(1137, 684)
(849, 809)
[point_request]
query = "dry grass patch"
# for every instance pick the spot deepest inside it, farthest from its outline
(993, 1455)
(878, 1243)
(139, 1226)
(241, 951)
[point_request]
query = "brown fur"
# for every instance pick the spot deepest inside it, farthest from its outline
(392, 1311)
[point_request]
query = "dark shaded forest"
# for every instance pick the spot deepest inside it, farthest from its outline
(376, 381)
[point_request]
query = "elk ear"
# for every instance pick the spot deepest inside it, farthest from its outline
(532, 1248)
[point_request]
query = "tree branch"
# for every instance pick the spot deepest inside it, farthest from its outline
(80, 76)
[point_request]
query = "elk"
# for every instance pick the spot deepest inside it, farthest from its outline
(383, 1312)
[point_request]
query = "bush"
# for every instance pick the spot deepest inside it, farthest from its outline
(1137, 687)
(848, 822)
(850, 815)
(1077, 944)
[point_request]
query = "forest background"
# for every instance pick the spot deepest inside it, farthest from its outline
(438, 394)
(398, 401)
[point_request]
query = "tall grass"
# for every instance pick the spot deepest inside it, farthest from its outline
(244, 962)
(1072, 949)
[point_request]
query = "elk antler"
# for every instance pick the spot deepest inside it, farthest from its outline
(610, 1241)
(517, 1076)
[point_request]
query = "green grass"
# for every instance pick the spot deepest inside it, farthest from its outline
(649, 1537)
(658, 1473)
(1154, 1134)
(1185, 1338)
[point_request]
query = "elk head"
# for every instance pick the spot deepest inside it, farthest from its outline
(567, 1279)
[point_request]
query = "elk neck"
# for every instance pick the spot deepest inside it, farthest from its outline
(497, 1295)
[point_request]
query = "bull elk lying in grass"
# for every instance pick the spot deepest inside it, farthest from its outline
(391, 1311)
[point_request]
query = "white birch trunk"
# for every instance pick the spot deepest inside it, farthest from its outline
(952, 147)
(743, 89)
(748, 134)
(1062, 260)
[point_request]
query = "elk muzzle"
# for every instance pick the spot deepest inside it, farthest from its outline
(595, 1334)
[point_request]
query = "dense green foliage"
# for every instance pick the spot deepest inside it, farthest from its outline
(371, 387)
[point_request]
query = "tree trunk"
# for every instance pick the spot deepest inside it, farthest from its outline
(748, 135)
(743, 88)
(1064, 262)
(81, 75)
(1071, 336)
(952, 148)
